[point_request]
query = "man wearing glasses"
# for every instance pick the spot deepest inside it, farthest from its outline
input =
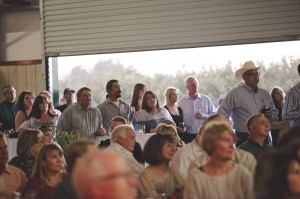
(246, 100)
(105, 175)
(8, 108)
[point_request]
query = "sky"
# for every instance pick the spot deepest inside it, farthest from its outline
(194, 59)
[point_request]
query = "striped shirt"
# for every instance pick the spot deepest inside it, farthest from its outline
(291, 106)
(76, 119)
(134, 166)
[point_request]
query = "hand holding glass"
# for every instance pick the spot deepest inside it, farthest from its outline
(199, 114)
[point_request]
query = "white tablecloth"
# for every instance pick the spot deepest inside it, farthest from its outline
(140, 138)
(12, 142)
(12, 147)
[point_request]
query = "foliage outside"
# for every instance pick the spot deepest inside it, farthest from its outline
(215, 83)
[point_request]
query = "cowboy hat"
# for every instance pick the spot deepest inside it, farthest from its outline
(248, 65)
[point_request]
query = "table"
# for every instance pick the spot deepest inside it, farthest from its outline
(140, 138)
(12, 142)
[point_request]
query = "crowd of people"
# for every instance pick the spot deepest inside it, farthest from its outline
(248, 147)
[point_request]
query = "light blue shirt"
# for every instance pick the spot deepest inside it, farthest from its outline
(291, 106)
(191, 106)
(242, 102)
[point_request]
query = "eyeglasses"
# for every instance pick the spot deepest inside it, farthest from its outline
(252, 74)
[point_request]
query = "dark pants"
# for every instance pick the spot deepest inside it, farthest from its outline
(275, 135)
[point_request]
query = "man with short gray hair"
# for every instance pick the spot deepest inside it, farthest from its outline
(103, 174)
(196, 108)
(122, 142)
(8, 108)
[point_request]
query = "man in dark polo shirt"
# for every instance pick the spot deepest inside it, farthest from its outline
(258, 127)
(8, 108)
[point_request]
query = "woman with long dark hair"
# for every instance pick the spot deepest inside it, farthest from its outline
(25, 102)
(152, 113)
(42, 114)
(277, 176)
(137, 96)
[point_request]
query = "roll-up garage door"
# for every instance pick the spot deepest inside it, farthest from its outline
(77, 27)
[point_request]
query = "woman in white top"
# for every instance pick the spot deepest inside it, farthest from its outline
(220, 177)
(151, 114)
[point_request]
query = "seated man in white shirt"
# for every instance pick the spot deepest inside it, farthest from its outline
(123, 142)
(11, 178)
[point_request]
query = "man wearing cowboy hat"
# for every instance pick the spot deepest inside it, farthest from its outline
(246, 100)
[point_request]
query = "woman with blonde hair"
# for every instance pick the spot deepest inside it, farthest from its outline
(171, 97)
(216, 178)
(28, 145)
(165, 129)
(48, 171)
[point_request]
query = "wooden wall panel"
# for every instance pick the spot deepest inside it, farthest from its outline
(21, 79)
(39, 78)
(3, 77)
(13, 77)
(30, 77)
(23, 76)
